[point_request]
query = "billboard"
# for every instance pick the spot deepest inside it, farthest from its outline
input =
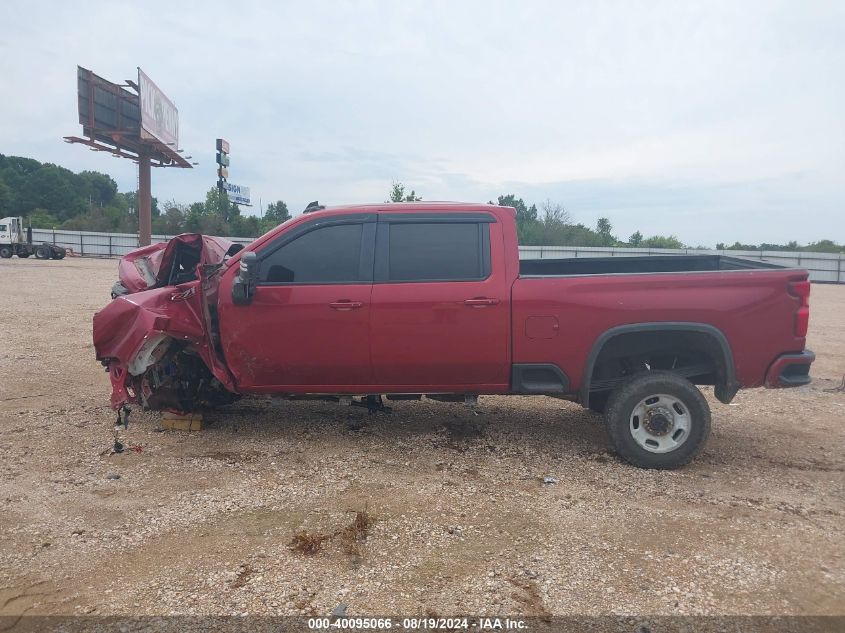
(236, 193)
(159, 117)
(107, 111)
(127, 124)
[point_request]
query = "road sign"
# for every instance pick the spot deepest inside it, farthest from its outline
(237, 193)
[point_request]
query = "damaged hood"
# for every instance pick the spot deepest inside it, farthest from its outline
(172, 262)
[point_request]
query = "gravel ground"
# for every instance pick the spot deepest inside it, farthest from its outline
(453, 515)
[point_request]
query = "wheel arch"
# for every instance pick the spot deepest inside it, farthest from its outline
(725, 390)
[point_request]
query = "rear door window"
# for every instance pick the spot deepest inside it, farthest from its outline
(447, 251)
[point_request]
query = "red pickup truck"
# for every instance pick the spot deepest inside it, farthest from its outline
(404, 300)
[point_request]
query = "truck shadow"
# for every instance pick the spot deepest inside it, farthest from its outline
(516, 425)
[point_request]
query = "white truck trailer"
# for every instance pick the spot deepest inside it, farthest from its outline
(15, 240)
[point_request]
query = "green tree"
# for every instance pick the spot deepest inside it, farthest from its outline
(277, 212)
(251, 227)
(397, 194)
(553, 227)
(131, 199)
(217, 204)
(824, 246)
(194, 216)
(100, 188)
(604, 228)
(526, 218)
(524, 213)
(5, 199)
(554, 214)
(636, 239)
(172, 221)
(661, 241)
(41, 219)
(54, 189)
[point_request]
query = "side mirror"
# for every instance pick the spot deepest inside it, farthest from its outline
(244, 286)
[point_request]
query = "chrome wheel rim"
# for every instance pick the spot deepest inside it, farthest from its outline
(660, 423)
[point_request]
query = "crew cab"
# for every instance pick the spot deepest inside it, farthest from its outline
(410, 299)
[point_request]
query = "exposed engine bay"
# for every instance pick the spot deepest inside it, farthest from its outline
(179, 380)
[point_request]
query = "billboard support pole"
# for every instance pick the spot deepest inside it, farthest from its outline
(145, 200)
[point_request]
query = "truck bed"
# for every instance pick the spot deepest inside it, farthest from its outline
(645, 264)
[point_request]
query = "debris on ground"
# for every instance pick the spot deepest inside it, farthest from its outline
(351, 537)
(355, 533)
(307, 543)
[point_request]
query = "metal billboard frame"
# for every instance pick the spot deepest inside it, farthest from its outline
(112, 121)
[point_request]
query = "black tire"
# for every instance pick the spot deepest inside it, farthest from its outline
(598, 401)
(58, 255)
(623, 424)
(43, 252)
(5, 252)
(24, 255)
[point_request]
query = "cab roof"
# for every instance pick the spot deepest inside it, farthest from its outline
(409, 207)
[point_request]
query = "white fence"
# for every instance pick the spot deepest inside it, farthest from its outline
(90, 244)
(825, 267)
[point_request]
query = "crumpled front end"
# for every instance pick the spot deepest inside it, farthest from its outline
(158, 351)
(170, 263)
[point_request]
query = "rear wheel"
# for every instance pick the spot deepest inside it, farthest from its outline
(23, 255)
(58, 255)
(5, 252)
(657, 419)
(43, 252)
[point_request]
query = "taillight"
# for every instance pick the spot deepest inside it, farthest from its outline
(801, 289)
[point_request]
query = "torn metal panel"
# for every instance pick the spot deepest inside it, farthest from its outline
(172, 262)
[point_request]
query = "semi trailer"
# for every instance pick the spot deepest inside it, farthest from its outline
(15, 240)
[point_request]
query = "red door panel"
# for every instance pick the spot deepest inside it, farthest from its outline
(302, 335)
(425, 334)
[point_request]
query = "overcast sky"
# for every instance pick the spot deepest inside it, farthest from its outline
(711, 121)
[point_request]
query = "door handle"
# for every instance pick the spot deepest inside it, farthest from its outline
(479, 302)
(345, 305)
